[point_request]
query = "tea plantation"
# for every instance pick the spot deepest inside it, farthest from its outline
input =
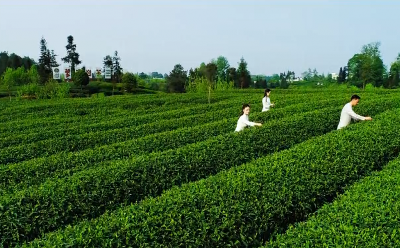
(168, 170)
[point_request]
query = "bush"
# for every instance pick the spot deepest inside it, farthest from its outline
(63, 90)
(129, 82)
(369, 87)
(33, 76)
(28, 91)
(81, 78)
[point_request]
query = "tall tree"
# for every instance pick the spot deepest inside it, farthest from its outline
(201, 72)
(129, 81)
(72, 57)
(232, 76)
(176, 80)
(222, 67)
(211, 75)
(47, 60)
(8, 81)
(211, 72)
(394, 74)
(340, 77)
(345, 73)
(117, 69)
(14, 61)
(3, 62)
(367, 66)
(143, 75)
(243, 74)
(283, 80)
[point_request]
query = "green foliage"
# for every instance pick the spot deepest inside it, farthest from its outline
(221, 86)
(28, 91)
(79, 158)
(63, 90)
(232, 76)
(131, 180)
(72, 56)
(222, 68)
(201, 85)
(156, 84)
(365, 216)
(33, 75)
(394, 75)
(176, 80)
(129, 81)
(366, 67)
(47, 61)
(117, 69)
(243, 75)
(81, 78)
(242, 206)
(14, 61)
(369, 87)
(8, 80)
(15, 177)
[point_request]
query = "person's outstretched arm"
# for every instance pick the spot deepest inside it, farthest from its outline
(355, 116)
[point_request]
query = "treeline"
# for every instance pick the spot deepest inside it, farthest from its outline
(364, 68)
(14, 61)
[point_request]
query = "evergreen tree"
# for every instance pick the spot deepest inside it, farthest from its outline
(243, 74)
(232, 76)
(176, 80)
(340, 77)
(72, 57)
(47, 60)
(117, 69)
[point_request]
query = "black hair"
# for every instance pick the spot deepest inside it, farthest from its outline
(266, 91)
(353, 97)
(243, 107)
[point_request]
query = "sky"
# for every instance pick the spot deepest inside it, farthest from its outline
(154, 35)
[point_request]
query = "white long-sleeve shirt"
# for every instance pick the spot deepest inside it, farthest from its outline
(266, 104)
(243, 122)
(348, 114)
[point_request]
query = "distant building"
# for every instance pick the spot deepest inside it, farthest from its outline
(334, 76)
(297, 79)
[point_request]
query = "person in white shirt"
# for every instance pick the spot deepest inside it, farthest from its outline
(348, 113)
(244, 119)
(266, 101)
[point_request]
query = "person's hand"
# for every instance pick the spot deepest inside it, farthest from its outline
(368, 118)
(258, 124)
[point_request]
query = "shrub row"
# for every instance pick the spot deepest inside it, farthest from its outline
(88, 106)
(72, 142)
(129, 130)
(19, 123)
(240, 207)
(85, 116)
(72, 109)
(16, 176)
(81, 116)
(89, 193)
(367, 215)
(120, 120)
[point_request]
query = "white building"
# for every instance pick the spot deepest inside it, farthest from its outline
(334, 76)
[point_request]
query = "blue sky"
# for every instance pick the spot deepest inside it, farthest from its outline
(272, 36)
